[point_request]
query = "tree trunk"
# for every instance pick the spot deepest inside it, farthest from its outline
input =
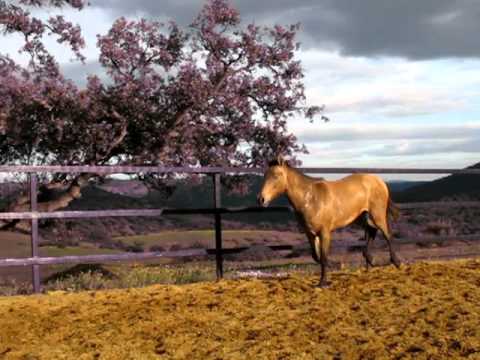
(22, 203)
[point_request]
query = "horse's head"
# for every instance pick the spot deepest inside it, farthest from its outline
(274, 182)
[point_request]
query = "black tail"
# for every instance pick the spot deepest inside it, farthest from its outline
(393, 210)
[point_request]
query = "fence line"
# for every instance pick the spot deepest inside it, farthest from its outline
(188, 253)
(120, 169)
(89, 214)
(215, 172)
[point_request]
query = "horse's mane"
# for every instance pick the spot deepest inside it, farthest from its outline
(275, 162)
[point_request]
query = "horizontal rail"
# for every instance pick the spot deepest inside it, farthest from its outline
(24, 215)
(93, 259)
(438, 204)
(218, 170)
(388, 171)
(88, 214)
(129, 257)
(424, 240)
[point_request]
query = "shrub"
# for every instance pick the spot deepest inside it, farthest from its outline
(137, 247)
(156, 248)
(440, 227)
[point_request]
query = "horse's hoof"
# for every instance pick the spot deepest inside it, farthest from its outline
(323, 285)
(396, 262)
(368, 259)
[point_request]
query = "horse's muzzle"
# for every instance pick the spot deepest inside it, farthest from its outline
(261, 201)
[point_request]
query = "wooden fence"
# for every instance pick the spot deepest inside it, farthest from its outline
(217, 210)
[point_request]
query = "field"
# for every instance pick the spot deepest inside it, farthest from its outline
(425, 310)
(346, 252)
(14, 245)
(171, 240)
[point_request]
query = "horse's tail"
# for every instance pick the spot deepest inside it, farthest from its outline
(393, 210)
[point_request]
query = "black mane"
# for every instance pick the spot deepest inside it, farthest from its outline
(273, 163)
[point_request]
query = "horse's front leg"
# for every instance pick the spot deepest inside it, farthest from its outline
(312, 240)
(322, 246)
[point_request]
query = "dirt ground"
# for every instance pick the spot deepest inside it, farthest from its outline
(425, 310)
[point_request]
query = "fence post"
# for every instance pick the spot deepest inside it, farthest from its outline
(34, 232)
(218, 225)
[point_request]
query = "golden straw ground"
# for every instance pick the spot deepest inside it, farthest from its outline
(426, 309)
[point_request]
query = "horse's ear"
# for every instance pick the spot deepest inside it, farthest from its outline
(279, 161)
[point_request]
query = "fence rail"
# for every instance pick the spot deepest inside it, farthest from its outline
(217, 210)
(113, 169)
(28, 215)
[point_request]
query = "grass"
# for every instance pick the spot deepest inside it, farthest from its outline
(425, 310)
(102, 277)
(17, 280)
(96, 277)
(14, 245)
(56, 251)
(205, 238)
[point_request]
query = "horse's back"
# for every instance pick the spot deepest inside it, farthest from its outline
(335, 204)
(368, 182)
(357, 192)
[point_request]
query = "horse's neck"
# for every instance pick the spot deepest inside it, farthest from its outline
(298, 188)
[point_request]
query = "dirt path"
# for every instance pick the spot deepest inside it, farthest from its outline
(425, 309)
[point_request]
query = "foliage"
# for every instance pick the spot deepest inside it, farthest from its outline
(214, 93)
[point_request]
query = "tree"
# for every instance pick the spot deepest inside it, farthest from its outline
(215, 93)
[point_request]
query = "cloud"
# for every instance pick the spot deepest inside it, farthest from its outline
(424, 29)
(78, 72)
(388, 132)
(389, 87)
(393, 101)
(182, 11)
(396, 146)
(416, 148)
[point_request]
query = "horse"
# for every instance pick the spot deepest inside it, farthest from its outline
(322, 206)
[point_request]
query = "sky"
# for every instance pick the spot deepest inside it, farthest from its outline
(400, 80)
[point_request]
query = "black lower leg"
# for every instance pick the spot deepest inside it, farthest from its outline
(370, 233)
(393, 256)
(323, 277)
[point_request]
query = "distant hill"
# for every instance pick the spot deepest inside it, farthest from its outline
(397, 186)
(460, 186)
(200, 195)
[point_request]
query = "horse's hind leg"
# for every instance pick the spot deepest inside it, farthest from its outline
(393, 256)
(370, 233)
(381, 223)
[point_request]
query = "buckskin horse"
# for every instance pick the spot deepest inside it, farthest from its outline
(323, 206)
